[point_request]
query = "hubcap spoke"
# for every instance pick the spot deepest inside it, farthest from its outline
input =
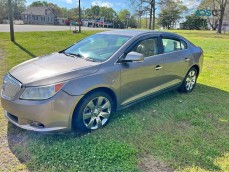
(99, 101)
(90, 124)
(87, 115)
(192, 73)
(187, 86)
(91, 105)
(106, 105)
(99, 122)
(105, 114)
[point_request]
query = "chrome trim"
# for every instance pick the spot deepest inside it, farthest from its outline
(186, 59)
(158, 67)
(10, 87)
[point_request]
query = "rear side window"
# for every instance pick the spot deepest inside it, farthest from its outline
(171, 45)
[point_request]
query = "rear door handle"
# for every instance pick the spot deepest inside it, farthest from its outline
(186, 59)
(158, 67)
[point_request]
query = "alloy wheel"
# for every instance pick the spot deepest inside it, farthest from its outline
(190, 80)
(97, 113)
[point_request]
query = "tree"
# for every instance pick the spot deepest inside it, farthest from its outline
(195, 22)
(145, 6)
(122, 17)
(73, 13)
(39, 4)
(151, 8)
(167, 18)
(213, 21)
(56, 9)
(3, 10)
(222, 4)
(170, 13)
(18, 8)
(108, 13)
(95, 11)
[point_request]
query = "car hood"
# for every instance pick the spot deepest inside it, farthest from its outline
(53, 68)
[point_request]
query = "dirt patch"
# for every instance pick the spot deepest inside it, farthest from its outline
(184, 125)
(149, 164)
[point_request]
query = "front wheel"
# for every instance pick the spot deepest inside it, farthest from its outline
(93, 112)
(190, 81)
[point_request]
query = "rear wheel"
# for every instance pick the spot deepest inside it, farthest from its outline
(190, 81)
(93, 112)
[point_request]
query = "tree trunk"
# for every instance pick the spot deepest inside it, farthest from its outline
(222, 9)
(215, 26)
(153, 7)
(150, 16)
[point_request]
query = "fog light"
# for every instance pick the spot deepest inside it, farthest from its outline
(37, 124)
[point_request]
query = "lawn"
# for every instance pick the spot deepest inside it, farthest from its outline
(173, 131)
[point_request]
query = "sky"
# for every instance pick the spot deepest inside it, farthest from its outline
(117, 5)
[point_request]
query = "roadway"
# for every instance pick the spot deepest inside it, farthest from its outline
(45, 28)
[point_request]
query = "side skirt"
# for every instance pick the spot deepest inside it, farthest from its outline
(174, 87)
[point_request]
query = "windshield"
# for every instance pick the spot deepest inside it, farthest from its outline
(98, 47)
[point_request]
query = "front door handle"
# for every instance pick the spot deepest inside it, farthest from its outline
(158, 67)
(186, 59)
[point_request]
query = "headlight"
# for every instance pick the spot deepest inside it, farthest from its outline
(41, 93)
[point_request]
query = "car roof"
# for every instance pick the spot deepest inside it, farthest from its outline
(134, 33)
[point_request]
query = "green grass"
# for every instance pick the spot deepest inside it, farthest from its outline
(185, 132)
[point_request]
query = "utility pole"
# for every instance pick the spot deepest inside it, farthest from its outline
(79, 18)
(11, 21)
(127, 23)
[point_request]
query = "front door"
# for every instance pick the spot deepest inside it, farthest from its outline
(139, 79)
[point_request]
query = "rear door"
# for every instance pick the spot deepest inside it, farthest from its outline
(177, 60)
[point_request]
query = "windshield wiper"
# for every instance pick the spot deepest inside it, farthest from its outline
(80, 56)
(72, 54)
(89, 59)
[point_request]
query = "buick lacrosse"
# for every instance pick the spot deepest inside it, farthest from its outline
(79, 87)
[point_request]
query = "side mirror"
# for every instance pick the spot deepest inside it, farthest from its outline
(133, 57)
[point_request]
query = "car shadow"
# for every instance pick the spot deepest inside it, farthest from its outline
(24, 49)
(34, 149)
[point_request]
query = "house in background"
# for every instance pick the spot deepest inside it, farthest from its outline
(39, 15)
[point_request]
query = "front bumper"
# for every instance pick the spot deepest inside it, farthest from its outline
(54, 114)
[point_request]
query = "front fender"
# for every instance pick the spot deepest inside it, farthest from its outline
(107, 76)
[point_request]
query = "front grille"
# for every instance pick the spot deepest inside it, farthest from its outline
(10, 87)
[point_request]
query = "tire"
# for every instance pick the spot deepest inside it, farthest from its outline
(93, 112)
(189, 81)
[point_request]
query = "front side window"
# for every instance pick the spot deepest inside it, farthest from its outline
(147, 47)
(171, 45)
(98, 47)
